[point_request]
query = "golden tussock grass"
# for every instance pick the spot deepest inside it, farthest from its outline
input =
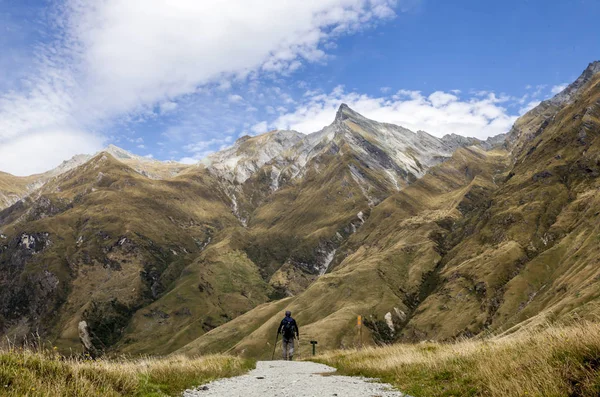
(552, 362)
(27, 372)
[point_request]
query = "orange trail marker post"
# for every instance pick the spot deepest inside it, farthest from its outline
(359, 325)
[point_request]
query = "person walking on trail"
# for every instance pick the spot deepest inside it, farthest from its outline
(288, 330)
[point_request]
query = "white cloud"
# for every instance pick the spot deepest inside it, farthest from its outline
(530, 105)
(188, 160)
(136, 52)
(235, 98)
(119, 58)
(167, 107)
(439, 113)
(440, 98)
(260, 127)
(224, 85)
(39, 151)
(558, 88)
(203, 148)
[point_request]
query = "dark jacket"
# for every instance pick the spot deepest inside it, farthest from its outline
(293, 326)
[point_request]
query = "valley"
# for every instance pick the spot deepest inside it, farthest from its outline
(427, 238)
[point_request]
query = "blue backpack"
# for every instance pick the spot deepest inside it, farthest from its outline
(288, 328)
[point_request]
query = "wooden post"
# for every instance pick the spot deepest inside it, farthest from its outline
(359, 324)
(314, 346)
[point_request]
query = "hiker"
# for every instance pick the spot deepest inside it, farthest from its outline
(288, 329)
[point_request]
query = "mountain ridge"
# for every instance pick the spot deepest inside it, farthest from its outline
(514, 252)
(427, 238)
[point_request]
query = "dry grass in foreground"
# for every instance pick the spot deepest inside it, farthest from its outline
(552, 362)
(26, 372)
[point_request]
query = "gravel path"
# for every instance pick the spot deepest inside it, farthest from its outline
(293, 379)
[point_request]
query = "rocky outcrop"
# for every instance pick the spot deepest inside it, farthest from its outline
(402, 154)
(86, 340)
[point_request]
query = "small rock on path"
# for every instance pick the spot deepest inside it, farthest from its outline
(293, 379)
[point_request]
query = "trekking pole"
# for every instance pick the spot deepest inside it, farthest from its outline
(274, 346)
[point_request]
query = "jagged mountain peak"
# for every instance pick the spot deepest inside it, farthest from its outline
(532, 123)
(455, 141)
(122, 154)
(570, 92)
(250, 153)
(398, 152)
(344, 112)
(281, 136)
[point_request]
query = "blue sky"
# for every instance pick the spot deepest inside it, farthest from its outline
(178, 79)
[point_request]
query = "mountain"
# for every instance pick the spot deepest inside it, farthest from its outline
(534, 122)
(485, 242)
(153, 254)
(14, 188)
(386, 266)
(426, 237)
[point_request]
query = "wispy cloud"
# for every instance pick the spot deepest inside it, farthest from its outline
(120, 60)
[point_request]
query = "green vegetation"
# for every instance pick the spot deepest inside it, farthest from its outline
(25, 372)
(551, 363)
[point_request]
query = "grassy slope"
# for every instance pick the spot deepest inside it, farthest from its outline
(288, 227)
(469, 248)
(400, 249)
(87, 213)
(534, 250)
(221, 284)
(296, 220)
(32, 373)
(12, 187)
(90, 209)
(554, 362)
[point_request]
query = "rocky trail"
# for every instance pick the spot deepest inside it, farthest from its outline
(293, 379)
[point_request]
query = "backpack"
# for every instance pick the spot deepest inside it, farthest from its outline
(288, 328)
